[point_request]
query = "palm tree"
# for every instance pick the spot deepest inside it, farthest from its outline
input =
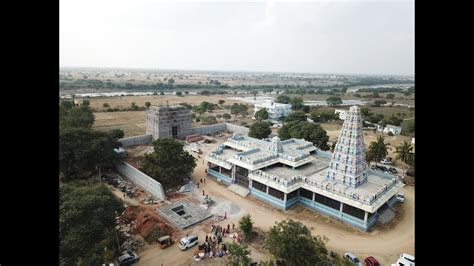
(404, 152)
(377, 149)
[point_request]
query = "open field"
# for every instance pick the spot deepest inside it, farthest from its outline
(385, 242)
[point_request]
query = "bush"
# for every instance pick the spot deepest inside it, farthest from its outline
(390, 133)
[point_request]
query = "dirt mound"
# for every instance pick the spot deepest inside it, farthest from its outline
(150, 226)
(130, 214)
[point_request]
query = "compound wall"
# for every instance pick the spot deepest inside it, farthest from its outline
(141, 179)
(136, 140)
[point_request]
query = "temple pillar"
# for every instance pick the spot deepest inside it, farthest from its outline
(340, 208)
(220, 169)
(313, 196)
(366, 215)
(267, 189)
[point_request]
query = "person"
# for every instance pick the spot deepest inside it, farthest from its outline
(197, 185)
(200, 180)
(206, 238)
(228, 227)
(205, 178)
(203, 192)
(233, 226)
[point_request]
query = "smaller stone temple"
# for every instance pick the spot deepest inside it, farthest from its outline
(168, 121)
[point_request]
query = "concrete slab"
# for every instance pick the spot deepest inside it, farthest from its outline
(183, 213)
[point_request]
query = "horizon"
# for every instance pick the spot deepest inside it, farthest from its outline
(232, 71)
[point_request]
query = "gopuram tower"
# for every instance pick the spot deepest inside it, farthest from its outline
(348, 165)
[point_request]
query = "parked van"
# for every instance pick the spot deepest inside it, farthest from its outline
(187, 242)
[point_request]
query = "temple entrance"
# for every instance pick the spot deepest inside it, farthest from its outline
(241, 176)
(174, 131)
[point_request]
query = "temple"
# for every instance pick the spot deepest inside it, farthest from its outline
(287, 172)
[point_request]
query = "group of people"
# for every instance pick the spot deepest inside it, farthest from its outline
(213, 245)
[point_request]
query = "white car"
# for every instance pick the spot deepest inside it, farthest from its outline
(401, 198)
(386, 161)
(408, 257)
(405, 260)
(352, 258)
(187, 242)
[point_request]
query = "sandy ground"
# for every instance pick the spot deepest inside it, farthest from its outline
(385, 243)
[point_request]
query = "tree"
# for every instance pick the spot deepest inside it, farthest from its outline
(296, 116)
(86, 102)
(68, 105)
(219, 116)
(378, 103)
(208, 120)
(84, 150)
(365, 111)
(162, 93)
(81, 116)
(221, 102)
(134, 107)
(178, 93)
(260, 130)
(226, 116)
(246, 225)
(296, 103)
(410, 126)
(323, 116)
(239, 254)
(377, 149)
(105, 105)
(334, 101)
(405, 152)
(237, 109)
(292, 241)
(170, 81)
(261, 114)
(147, 105)
(87, 224)
(390, 96)
(305, 130)
(282, 99)
(392, 120)
(169, 164)
(116, 133)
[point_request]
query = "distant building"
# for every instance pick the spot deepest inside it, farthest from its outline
(276, 111)
(394, 129)
(78, 102)
(342, 113)
(168, 122)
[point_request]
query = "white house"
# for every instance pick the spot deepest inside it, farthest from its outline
(394, 129)
(413, 141)
(275, 111)
(342, 113)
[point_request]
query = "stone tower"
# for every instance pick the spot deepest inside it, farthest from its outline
(168, 122)
(348, 165)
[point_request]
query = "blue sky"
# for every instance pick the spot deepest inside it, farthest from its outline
(353, 37)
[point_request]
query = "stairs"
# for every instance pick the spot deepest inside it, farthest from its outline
(242, 191)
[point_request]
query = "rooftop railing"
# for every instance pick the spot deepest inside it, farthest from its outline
(327, 185)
